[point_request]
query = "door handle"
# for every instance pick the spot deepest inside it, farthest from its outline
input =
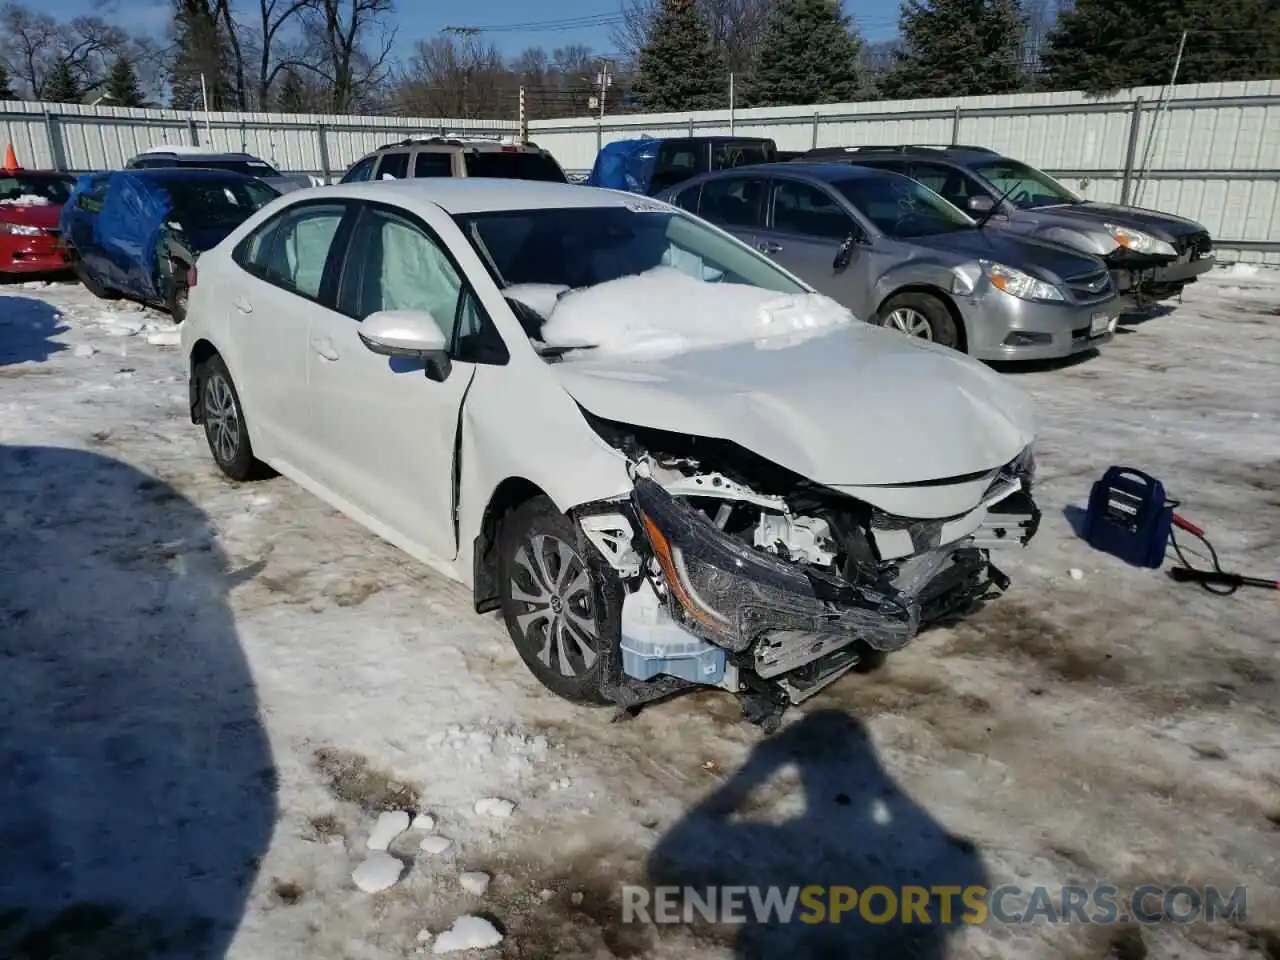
(768, 246)
(244, 306)
(324, 347)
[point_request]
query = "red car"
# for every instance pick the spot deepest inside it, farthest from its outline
(30, 203)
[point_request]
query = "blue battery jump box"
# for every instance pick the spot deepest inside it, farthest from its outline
(1129, 517)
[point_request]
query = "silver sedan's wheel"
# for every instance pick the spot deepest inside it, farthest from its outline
(909, 321)
(551, 582)
(222, 418)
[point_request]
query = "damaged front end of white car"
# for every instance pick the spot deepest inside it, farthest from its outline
(740, 574)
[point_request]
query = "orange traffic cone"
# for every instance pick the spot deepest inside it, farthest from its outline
(10, 160)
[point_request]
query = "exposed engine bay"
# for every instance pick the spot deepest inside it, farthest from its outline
(743, 575)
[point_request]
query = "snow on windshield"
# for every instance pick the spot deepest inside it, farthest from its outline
(665, 311)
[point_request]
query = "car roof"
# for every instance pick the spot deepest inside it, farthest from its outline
(187, 151)
(185, 173)
(826, 172)
(478, 194)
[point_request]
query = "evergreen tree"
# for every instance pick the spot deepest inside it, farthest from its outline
(1105, 45)
(202, 51)
(957, 48)
(808, 53)
(6, 92)
(291, 96)
(122, 85)
(679, 69)
(60, 85)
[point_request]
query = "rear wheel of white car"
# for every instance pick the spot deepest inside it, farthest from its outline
(920, 315)
(224, 426)
(552, 603)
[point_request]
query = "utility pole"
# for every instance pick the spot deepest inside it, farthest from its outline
(524, 118)
(466, 33)
(604, 80)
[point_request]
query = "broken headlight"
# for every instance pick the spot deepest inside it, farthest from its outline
(705, 570)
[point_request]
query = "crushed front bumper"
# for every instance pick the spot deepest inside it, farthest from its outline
(791, 624)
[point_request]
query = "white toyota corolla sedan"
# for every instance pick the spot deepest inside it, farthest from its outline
(665, 460)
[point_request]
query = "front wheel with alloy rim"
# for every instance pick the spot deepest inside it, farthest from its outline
(561, 619)
(224, 426)
(920, 315)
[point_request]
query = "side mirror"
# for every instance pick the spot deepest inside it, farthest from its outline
(408, 334)
(981, 204)
(844, 253)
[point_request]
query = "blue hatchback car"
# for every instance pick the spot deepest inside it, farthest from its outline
(137, 233)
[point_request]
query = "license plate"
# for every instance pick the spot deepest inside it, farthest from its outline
(1101, 323)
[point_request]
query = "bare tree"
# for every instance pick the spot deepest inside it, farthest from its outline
(736, 26)
(33, 45)
(350, 43)
(273, 17)
(457, 77)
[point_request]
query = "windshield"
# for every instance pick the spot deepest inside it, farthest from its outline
(514, 166)
(903, 208)
(1031, 187)
(583, 246)
(543, 258)
(53, 188)
(212, 202)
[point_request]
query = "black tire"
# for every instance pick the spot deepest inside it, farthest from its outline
(538, 525)
(225, 429)
(93, 286)
(904, 311)
(178, 291)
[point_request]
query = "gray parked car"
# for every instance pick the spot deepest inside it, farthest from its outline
(1148, 252)
(899, 255)
(204, 158)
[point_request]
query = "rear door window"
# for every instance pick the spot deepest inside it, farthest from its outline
(805, 210)
(394, 166)
(677, 161)
(948, 182)
(725, 155)
(290, 250)
(735, 202)
(687, 199)
(430, 163)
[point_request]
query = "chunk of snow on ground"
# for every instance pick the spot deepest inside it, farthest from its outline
(165, 338)
(664, 311)
(1076, 573)
(576, 898)
(1240, 270)
(467, 933)
(377, 872)
(423, 821)
(26, 200)
(475, 882)
(389, 826)
(85, 350)
(35, 285)
(434, 843)
(494, 807)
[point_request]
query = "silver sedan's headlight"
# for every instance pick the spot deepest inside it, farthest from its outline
(1018, 284)
(1139, 242)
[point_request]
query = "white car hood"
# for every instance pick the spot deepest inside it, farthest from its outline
(855, 406)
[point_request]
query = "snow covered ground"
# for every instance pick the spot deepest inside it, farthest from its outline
(211, 693)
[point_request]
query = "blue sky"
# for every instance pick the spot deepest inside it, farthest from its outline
(425, 18)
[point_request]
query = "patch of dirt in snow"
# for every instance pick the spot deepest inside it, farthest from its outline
(1115, 727)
